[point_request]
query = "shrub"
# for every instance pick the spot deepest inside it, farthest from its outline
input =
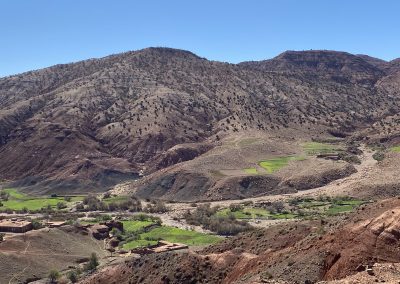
(93, 262)
(53, 276)
(36, 224)
(2, 237)
(205, 216)
(379, 156)
(156, 207)
(72, 276)
(61, 205)
(4, 195)
(67, 198)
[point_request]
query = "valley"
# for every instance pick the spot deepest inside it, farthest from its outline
(159, 166)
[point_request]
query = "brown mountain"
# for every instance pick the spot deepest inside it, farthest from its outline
(91, 124)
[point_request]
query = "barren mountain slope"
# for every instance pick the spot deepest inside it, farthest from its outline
(105, 119)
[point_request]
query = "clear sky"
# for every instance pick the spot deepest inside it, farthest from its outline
(40, 33)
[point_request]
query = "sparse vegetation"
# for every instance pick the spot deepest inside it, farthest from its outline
(316, 148)
(206, 217)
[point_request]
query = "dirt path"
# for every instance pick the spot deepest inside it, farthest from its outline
(337, 187)
(23, 270)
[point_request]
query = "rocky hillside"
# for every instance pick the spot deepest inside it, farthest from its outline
(94, 123)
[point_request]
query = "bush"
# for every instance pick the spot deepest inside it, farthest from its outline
(4, 195)
(36, 224)
(72, 276)
(67, 198)
(53, 276)
(93, 262)
(61, 205)
(379, 156)
(156, 207)
(2, 237)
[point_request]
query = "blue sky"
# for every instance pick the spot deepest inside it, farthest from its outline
(39, 33)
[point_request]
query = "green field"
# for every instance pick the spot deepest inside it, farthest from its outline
(274, 164)
(176, 235)
(170, 234)
(316, 148)
(20, 201)
(116, 199)
(330, 207)
(251, 171)
(134, 226)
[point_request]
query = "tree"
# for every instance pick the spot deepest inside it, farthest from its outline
(53, 276)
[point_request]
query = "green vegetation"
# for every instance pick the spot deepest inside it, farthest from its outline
(395, 149)
(53, 276)
(254, 213)
(316, 148)
(206, 216)
(20, 201)
(93, 262)
(116, 199)
(274, 164)
(134, 226)
(176, 235)
(326, 205)
(138, 233)
(379, 156)
(252, 171)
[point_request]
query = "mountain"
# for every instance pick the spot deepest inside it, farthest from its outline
(92, 124)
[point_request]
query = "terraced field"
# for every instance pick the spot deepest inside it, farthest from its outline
(136, 235)
(316, 148)
(275, 164)
(21, 201)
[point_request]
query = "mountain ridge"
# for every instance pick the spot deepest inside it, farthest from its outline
(125, 110)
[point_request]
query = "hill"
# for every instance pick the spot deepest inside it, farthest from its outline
(86, 126)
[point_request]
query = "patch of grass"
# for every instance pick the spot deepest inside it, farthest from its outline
(176, 235)
(15, 194)
(19, 201)
(316, 148)
(329, 206)
(134, 226)
(274, 164)
(138, 244)
(116, 199)
(251, 171)
(395, 149)
(170, 234)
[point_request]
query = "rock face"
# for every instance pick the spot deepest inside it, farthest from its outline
(98, 122)
(100, 232)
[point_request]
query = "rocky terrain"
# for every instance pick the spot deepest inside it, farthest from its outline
(293, 137)
(300, 252)
(98, 122)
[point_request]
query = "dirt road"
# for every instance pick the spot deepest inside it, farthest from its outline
(335, 188)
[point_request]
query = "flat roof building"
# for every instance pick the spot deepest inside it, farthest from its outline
(15, 226)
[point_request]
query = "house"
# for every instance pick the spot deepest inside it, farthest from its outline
(15, 226)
